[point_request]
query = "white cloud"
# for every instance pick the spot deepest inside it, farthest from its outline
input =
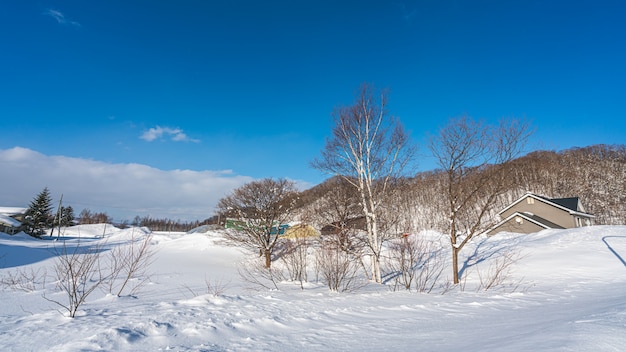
(60, 17)
(57, 15)
(158, 132)
(120, 190)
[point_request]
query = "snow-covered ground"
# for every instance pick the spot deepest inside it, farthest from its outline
(571, 297)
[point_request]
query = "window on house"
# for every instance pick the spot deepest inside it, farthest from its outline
(530, 200)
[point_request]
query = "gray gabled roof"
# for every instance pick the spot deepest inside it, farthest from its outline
(570, 203)
(556, 202)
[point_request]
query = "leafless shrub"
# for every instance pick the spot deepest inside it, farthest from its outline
(213, 287)
(78, 274)
(498, 275)
(193, 293)
(26, 280)
(294, 255)
(404, 255)
(353, 243)
(79, 271)
(259, 276)
(129, 262)
(338, 269)
(447, 286)
(430, 274)
(216, 287)
(415, 264)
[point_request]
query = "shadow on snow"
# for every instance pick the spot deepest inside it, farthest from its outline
(619, 257)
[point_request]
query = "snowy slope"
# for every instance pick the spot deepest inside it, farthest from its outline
(572, 297)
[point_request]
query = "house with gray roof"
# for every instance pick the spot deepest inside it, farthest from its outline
(11, 219)
(532, 213)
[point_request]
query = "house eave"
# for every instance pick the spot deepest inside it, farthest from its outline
(548, 202)
(586, 215)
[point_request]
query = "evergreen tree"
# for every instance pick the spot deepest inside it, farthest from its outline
(67, 216)
(39, 215)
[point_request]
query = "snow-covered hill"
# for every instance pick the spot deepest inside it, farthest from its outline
(571, 297)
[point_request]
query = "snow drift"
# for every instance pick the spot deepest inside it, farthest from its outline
(571, 297)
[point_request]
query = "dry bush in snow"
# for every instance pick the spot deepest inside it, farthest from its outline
(77, 272)
(213, 287)
(21, 279)
(415, 264)
(498, 274)
(294, 254)
(259, 276)
(80, 270)
(492, 268)
(338, 268)
(129, 264)
(216, 287)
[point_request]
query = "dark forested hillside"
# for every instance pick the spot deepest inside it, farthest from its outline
(595, 174)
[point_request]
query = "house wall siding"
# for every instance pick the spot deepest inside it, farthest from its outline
(513, 226)
(546, 211)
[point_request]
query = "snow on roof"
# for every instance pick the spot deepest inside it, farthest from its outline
(10, 211)
(7, 220)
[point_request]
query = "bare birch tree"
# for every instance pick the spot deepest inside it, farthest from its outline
(368, 148)
(476, 159)
(257, 210)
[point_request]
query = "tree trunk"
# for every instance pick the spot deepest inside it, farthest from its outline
(455, 264)
(373, 243)
(268, 258)
(376, 253)
(377, 276)
(455, 251)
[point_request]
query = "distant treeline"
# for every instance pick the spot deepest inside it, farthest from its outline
(168, 224)
(89, 217)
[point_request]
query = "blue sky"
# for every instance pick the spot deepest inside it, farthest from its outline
(244, 90)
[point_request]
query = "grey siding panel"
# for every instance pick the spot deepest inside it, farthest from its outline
(544, 210)
(512, 226)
